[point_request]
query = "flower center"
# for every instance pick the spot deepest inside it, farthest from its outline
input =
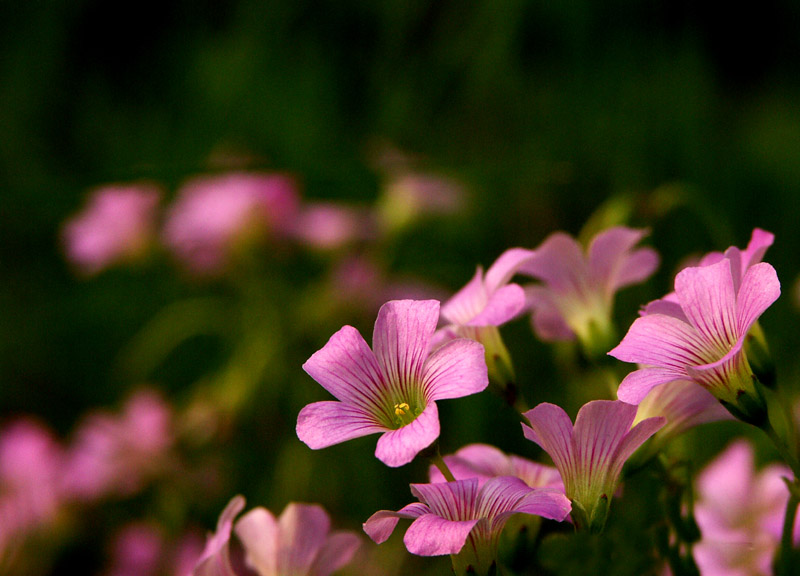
(404, 414)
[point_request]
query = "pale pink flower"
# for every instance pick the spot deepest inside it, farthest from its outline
(740, 513)
(116, 225)
(330, 226)
(212, 214)
(483, 462)
(465, 518)
(409, 196)
(576, 294)
(590, 454)
(215, 559)
(393, 390)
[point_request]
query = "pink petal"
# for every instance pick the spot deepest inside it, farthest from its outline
(548, 321)
(303, 530)
(612, 261)
(707, 297)
(215, 560)
(500, 495)
(456, 369)
(449, 499)
(636, 385)
(549, 503)
(503, 305)
(337, 551)
(347, 368)
(600, 427)
(398, 447)
(324, 424)
(665, 341)
(432, 535)
(559, 263)
(402, 335)
(639, 266)
(667, 307)
(380, 525)
(760, 288)
(760, 240)
(260, 535)
(551, 429)
(637, 436)
(505, 267)
(468, 302)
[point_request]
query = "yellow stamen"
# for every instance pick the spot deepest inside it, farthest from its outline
(401, 409)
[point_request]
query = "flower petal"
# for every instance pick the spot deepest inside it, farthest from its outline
(260, 536)
(551, 429)
(547, 319)
(635, 438)
(760, 288)
(380, 525)
(303, 530)
(215, 559)
(503, 305)
(401, 338)
(637, 384)
(505, 267)
(347, 368)
(614, 264)
(707, 296)
(431, 535)
(456, 369)
(499, 496)
(600, 429)
(449, 499)
(337, 551)
(324, 424)
(559, 263)
(398, 447)
(549, 503)
(468, 302)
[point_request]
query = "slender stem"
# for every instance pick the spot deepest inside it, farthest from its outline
(784, 451)
(439, 462)
(787, 538)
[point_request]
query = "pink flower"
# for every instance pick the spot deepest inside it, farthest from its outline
(485, 303)
(465, 518)
(576, 294)
(392, 391)
(328, 226)
(700, 336)
(740, 514)
(213, 213)
(299, 542)
(117, 454)
(116, 225)
(409, 195)
(591, 454)
(483, 462)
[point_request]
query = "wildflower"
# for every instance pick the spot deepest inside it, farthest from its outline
(116, 225)
(465, 518)
(485, 303)
(740, 513)
(393, 390)
(299, 542)
(409, 196)
(328, 226)
(213, 214)
(700, 336)
(576, 297)
(591, 454)
(483, 462)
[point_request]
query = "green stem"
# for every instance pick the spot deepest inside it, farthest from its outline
(784, 451)
(787, 538)
(439, 462)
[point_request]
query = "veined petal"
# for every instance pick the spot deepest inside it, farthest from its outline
(380, 525)
(500, 495)
(659, 340)
(612, 261)
(707, 296)
(503, 305)
(398, 447)
(431, 535)
(559, 263)
(505, 267)
(760, 288)
(401, 338)
(635, 438)
(324, 424)
(637, 384)
(480, 461)
(215, 559)
(549, 503)
(454, 500)
(468, 302)
(668, 306)
(337, 551)
(456, 369)
(260, 536)
(551, 429)
(760, 240)
(303, 530)
(600, 429)
(347, 368)
(637, 267)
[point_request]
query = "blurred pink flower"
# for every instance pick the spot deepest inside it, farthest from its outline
(576, 294)
(483, 461)
(740, 513)
(329, 226)
(116, 224)
(212, 213)
(409, 196)
(117, 454)
(393, 390)
(215, 558)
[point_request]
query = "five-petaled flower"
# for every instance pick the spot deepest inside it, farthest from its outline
(576, 294)
(394, 389)
(699, 335)
(465, 518)
(591, 454)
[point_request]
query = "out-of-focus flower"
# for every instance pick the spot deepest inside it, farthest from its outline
(700, 336)
(483, 462)
(740, 513)
(116, 225)
(684, 404)
(213, 215)
(329, 226)
(576, 294)
(394, 389)
(298, 543)
(117, 454)
(141, 549)
(409, 196)
(465, 518)
(30, 467)
(485, 303)
(591, 454)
